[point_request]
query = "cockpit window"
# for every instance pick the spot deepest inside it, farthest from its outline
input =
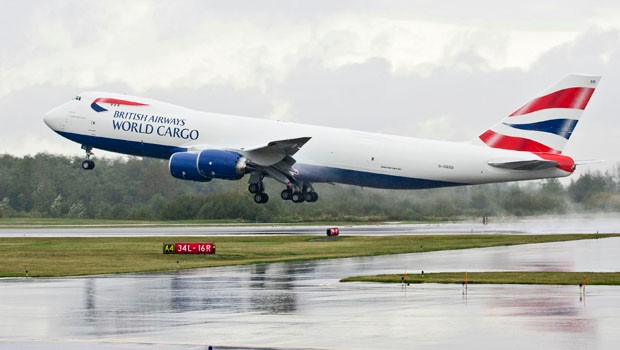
(78, 98)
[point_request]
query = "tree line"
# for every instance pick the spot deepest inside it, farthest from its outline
(134, 188)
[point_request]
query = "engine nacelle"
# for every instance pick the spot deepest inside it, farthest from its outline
(184, 166)
(208, 164)
(222, 164)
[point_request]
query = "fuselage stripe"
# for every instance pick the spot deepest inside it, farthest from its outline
(98, 108)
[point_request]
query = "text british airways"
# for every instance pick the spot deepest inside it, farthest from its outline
(144, 124)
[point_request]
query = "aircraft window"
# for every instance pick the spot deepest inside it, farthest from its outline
(77, 98)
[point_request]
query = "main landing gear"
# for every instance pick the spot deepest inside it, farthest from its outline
(258, 190)
(88, 164)
(307, 193)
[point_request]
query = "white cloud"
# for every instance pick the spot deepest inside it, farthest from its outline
(130, 43)
(526, 47)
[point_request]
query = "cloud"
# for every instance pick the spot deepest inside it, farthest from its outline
(143, 45)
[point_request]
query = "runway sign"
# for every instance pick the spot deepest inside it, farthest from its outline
(333, 231)
(189, 248)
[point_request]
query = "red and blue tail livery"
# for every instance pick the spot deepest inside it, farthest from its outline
(544, 124)
(202, 146)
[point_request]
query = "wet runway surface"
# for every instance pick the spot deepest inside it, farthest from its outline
(544, 225)
(303, 306)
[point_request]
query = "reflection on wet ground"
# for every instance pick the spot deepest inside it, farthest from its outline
(302, 305)
(609, 223)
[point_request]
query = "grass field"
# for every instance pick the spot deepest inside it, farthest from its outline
(562, 278)
(47, 257)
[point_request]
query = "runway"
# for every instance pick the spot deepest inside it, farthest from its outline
(542, 225)
(303, 306)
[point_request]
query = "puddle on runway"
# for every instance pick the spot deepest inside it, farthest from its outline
(594, 223)
(302, 305)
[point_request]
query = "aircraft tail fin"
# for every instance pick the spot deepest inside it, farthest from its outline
(545, 123)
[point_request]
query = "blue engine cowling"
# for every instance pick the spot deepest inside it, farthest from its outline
(184, 166)
(208, 164)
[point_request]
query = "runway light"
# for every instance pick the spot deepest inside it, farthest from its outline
(584, 284)
(466, 282)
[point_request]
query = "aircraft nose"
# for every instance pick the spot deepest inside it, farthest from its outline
(54, 118)
(47, 118)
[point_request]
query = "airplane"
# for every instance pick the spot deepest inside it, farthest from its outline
(200, 146)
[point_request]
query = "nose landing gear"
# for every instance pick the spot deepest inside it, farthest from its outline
(88, 164)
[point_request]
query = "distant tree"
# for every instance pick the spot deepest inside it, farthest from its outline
(590, 184)
(5, 208)
(57, 206)
(136, 188)
(552, 187)
(77, 210)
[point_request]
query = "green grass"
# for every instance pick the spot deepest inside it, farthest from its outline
(557, 278)
(46, 257)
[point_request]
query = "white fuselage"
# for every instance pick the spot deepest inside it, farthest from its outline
(157, 129)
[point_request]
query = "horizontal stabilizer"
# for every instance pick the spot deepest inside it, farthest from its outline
(589, 161)
(535, 164)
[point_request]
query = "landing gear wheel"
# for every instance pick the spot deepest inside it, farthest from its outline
(254, 188)
(88, 165)
(297, 197)
(311, 197)
(286, 194)
(315, 197)
(261, 198)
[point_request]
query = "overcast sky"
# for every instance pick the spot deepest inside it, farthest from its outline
(432, 69)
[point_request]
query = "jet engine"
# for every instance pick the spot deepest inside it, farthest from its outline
(208, 164)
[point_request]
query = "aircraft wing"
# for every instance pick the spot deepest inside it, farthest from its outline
(273, 159)
(274, 152)
(534, 164)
